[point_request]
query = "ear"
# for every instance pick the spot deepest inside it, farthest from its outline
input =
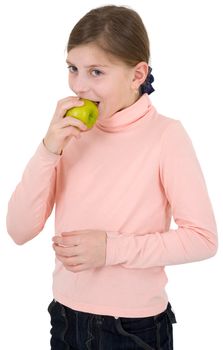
(139, 74)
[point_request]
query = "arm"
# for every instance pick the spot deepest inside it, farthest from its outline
(184, 185)
(33, 199)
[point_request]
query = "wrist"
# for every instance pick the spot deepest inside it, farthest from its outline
(58, 153)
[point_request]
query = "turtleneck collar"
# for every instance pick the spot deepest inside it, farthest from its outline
(128, 116)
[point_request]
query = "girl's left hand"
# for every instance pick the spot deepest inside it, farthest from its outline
(81, 250)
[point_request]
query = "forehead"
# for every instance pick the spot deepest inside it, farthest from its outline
(91, 54)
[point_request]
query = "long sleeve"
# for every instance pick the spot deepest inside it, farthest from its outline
(186, 193)
(33, 199)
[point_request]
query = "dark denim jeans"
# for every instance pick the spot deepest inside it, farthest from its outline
(84, 331)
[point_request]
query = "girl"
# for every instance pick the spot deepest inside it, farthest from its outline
(115, 187)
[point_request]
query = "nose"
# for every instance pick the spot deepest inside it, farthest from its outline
(79, 85)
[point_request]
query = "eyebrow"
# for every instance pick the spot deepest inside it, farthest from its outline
(90, 66)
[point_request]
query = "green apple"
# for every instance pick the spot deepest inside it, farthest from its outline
(88, 113)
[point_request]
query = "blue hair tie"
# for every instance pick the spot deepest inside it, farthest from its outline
(146, 87)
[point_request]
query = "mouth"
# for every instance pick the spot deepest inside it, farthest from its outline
(96, 103)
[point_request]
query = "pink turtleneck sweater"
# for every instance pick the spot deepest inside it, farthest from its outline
(127, 176)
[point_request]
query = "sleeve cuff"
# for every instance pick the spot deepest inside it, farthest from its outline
(115, 249)
(46, 155)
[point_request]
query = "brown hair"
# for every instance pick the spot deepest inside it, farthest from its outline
(117, 30)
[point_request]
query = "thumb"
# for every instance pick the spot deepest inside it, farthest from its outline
(71, 233)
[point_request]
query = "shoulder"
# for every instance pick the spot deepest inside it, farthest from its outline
(174, 139)
(166, 125)
(169, 131)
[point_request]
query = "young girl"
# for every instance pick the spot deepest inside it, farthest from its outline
(115, 187)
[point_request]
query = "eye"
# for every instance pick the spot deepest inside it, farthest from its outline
(96, 72)
(72, 69)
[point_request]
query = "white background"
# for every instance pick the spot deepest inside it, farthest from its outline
(186, 47)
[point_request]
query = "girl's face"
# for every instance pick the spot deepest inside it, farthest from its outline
(96, 76)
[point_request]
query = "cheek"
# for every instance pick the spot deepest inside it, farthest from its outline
(70, 82)
(108, 92)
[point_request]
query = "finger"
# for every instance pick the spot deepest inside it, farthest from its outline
(70, 121)
(76, 268)
(69, 241)
(69, 261)
(67, 133)
(63, 260)
(64, 250)
(58, 240)
(64, 105)
(69, 98)
(72, 233)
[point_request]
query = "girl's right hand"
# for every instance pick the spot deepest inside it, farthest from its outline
(62, 129)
